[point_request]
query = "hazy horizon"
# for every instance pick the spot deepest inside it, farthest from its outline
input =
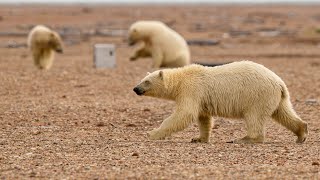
(153, 1)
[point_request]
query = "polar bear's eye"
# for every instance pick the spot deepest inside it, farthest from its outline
(147, 82)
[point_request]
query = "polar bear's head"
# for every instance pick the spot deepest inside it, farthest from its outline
(136, 33)
(152, 85)
(55, 42)
(134, 36)
(143, 30)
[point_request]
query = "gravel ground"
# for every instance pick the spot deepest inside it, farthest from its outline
(75, 121)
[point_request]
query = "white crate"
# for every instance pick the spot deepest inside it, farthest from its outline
(104, 56)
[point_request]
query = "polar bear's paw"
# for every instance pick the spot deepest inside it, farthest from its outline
(303, 133)
(247, 140)
(156, 134)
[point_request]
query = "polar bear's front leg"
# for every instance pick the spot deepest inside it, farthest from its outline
(157, 57)
(143, 52)
(176, 122)
(205, 126)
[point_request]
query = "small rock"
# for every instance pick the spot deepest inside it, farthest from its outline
(315, 64)
(100, 124)
(311, 101)
(269, 33)
(146, 109)
(135, 154)
(200, 148)
(36, 132)
(130, 125)
(225, 35)
(216, 126)
(32, 174)
(81, 85)
(315, 163)
(64, 96)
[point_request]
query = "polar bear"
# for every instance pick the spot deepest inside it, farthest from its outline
(43, 42)
(166, 47)
(243, 90)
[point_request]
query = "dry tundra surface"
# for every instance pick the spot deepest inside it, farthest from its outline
(75, 121)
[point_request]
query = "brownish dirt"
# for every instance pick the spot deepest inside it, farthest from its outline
(75, 121)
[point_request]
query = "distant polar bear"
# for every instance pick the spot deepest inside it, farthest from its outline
(166, 47)
(242, 89)
(43, 42)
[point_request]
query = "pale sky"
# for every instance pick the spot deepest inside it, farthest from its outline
(159, 1)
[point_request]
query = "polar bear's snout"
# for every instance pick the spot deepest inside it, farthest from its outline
(59, 50)
(131, 42)
(139, 91)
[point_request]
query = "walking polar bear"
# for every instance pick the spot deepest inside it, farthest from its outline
(242, 89)
(43, 42)
(166, 47)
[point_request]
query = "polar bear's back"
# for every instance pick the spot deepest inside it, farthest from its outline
(37, 35)
(232, 90)
(173, 46)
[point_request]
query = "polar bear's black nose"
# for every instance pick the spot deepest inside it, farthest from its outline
(135, 89)
(59, 50)
(138, 91)
(131, 43)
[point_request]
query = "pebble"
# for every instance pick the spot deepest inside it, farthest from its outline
(135, 154)
(311, 101)
(36, 132)
(32, 174)
(100, 124)
(146, 109)
(315, 163)
(130, 125)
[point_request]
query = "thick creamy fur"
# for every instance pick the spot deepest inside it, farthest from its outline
(243, 90)
(43, 42)
(166, 47)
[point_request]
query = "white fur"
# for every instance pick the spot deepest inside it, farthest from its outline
(42, 50)
(166, 47)
(243, 90)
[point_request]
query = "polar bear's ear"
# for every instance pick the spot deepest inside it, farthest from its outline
(148, 73)
(161, 74)
(52, 35)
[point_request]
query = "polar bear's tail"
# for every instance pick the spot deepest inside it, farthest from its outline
(286, 116)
